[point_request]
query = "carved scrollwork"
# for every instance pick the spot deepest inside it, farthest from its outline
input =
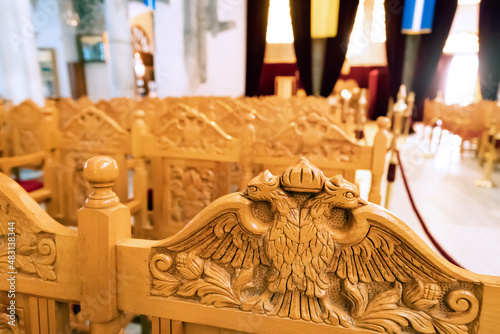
(307, 247)
(192, 131)
(312, 135)
(35, 248)
(191, 190)
(35, 256)
(93, 129)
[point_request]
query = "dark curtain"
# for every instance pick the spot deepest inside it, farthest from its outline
(300, 12)
(257, 13)
(430, 51)
(489, 48)
(394, 44)
(336, 47)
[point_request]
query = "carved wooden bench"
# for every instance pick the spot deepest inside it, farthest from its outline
(294, 253)
(190, 158)
(327, 146)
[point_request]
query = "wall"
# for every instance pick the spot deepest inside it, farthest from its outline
(98, 82)
(225, 52)
(51, 35)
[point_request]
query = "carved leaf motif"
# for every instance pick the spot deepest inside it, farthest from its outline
(6, 327)
(357, 295)
(445, 328)
(420, 296)
(218, 291)
(32, 256)
(166, 287)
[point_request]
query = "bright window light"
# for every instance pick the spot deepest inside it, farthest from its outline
(358, 41)
(377, 33)
(462, 79)
(468, 2)
(279, 22)
(462, 42)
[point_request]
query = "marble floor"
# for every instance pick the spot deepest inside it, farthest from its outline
(463, 218)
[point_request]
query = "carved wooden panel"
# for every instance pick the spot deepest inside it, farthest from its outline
(191, 131)
(313, 136)
(35, 248)
(7, 324)
(120, 109)
(25, 122)
(68, 108)
(92, 130)
(306, 247)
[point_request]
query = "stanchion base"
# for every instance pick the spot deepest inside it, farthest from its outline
(484, 183)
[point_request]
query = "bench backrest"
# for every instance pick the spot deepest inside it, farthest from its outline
(297, 253)
(190, 159)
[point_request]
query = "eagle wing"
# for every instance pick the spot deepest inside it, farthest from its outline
(234, 237)
(382, 256)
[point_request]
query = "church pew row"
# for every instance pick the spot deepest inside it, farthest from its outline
(184, 157)
(296, 252)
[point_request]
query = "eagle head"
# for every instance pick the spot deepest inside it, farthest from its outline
(262, 187)
(343, 194)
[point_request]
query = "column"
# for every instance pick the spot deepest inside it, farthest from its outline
(19, 69)
(120, 64)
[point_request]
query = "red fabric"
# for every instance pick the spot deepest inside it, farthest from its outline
(30, 185)
(379, 92)
(361, 74)
(271, 71)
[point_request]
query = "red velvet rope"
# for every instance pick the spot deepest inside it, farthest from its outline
(424, 226)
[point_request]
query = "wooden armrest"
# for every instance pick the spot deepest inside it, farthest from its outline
(134, 206)
(7, 163)
(40, 195)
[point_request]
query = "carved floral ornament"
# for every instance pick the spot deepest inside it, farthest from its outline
(35, 250)
(304, 246)
(192, 131)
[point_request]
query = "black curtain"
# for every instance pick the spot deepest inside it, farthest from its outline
(430, 51)
(489, 48)
(257, 13)
(394, 44)
(336, 47)
(300, 12)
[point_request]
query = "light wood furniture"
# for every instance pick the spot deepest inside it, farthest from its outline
(190, 158)
(120, 109)
(31, 146)
(327, 146)
(88, 133)
(244, 264)
(68, 108)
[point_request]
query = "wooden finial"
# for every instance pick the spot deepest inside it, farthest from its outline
(101, 172)
(383, 123)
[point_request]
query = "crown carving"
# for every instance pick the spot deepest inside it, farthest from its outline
(303, 177)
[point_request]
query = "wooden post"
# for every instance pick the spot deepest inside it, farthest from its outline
(247, 152)
(49, 140)
(399, 110)
(361, 116)
(408, 114)
(378, 159)
(491, 157)
(102, 223)
(139, 129)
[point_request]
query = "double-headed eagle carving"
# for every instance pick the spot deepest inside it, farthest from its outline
(304, 246)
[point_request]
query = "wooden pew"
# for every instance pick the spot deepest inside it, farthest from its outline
(327, 146)
(189, 159)
(88, 133)
(31, 138)
(237, 267)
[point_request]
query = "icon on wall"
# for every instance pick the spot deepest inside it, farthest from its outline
(92, 48)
